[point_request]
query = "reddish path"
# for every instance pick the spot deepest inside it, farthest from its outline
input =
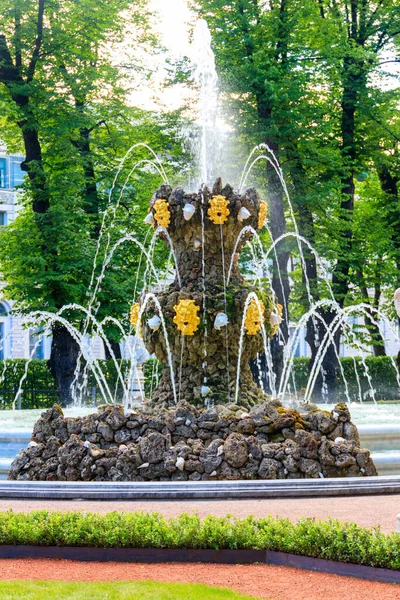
(260, 581)
(364, 510)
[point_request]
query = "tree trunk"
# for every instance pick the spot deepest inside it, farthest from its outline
(63, 360)
(378, 343)
(389, 185)
(326, 386)
(115, 347)
(315, 328)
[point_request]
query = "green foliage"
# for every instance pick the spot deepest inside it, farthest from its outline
(307, 78)
(379, 368)
(331, 540)
(63, 95)
(145, 590)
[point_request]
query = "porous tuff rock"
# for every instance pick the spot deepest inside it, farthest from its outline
(189, 361)
(165, 445)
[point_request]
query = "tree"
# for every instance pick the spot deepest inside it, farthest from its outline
(60, 91)
(298, 76)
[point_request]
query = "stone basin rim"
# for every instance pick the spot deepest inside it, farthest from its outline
(182, 490)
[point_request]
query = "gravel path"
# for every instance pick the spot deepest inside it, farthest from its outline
(260, 581)
(364, 510)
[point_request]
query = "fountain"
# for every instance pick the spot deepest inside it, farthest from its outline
(207, 418)
(204, 313)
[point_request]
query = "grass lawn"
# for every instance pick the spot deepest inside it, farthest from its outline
(142, 590)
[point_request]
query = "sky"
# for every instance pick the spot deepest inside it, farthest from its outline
(172, 19)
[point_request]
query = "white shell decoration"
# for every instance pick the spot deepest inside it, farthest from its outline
(154, 323)
(188, 211)
(149, 219)
(205, 390)
(243, 214)
(396, 299)
(197, 244)
(339, 440)
(180, 463)
(275, 319)
(221, 320)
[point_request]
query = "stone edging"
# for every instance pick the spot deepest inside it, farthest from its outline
(158, 555)
(186, 490)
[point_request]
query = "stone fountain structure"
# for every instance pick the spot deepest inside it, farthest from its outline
(191, 429)
(204, 314)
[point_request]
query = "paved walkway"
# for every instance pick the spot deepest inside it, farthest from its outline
(364, 510)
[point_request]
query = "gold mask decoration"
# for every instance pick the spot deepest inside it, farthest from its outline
(218, 211)
(262, 214)
(186, 318)
(162, 215)
(134, 315)
(254, 317)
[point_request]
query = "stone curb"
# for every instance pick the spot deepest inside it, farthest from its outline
(183, 490)
(187, 555)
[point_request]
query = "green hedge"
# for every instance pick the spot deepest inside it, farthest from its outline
(38, 388)
(332, 540)
(381, 371)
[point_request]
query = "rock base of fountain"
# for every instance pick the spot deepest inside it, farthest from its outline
(184, 443)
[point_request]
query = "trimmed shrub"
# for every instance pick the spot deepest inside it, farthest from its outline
(331, 540)
(380, 369)
(38, 389)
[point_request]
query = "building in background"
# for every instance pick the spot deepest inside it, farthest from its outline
(15, 340)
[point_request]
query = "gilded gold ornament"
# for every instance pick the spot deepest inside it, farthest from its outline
(254, 317)
(262, 214)
(218, 211)
(186, 318)
(162, 214)
(134, 315)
